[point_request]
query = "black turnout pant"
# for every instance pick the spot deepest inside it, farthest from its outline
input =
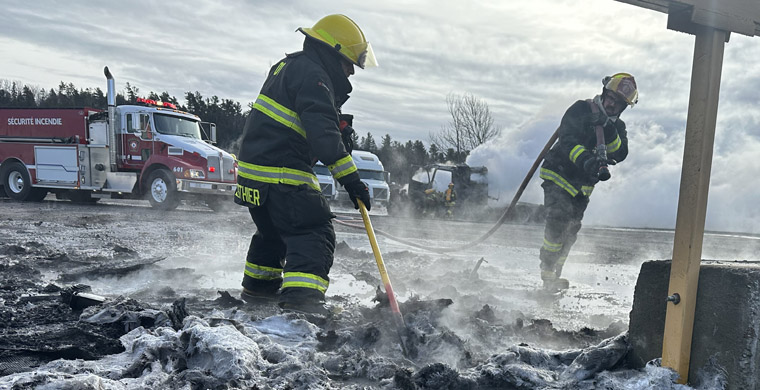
(294, 242)
(564, 213)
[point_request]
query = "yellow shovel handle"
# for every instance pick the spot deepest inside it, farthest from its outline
(378, 258)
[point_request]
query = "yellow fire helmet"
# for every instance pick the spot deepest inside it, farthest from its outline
(624, 85)
(345, 36)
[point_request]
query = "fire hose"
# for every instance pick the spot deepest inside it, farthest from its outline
(504, 216)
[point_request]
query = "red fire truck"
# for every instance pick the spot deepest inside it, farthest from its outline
(130, 151)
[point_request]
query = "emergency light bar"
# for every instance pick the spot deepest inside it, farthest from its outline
(156, 103)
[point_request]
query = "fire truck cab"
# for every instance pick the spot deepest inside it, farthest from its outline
(149, 149)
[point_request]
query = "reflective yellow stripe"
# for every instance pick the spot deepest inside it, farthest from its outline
(342, 167)
(576, 152)
(261, 272)
(614, 145)
(561, 262)
(277, 175)
(552, 246)
(558, 180)
(300, 279)
(280, 113)
(586, 190)
(279, 67)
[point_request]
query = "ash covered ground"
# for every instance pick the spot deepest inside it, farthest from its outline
(172, 317)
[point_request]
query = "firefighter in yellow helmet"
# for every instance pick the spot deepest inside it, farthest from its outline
(295, 122)
(591, 137)
(450, 200)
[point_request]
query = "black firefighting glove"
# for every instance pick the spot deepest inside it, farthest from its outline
(358, 190)
(591, 167)
(346, 131)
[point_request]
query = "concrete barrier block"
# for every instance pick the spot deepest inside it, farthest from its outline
(726, 322)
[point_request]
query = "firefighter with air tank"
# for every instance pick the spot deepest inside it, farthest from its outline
(591, 137)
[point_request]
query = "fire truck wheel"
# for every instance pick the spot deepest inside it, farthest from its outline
(162, 190)
(18, 184)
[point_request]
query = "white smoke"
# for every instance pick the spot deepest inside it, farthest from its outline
(643, 191)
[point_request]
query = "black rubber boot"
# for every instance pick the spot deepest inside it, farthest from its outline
(308, 307)
(557, 284)
(253, 296)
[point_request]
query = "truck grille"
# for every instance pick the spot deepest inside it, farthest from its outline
(380, 193)
(229, 171)
(222, 172)
(213, 161)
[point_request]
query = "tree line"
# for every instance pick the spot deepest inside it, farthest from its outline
(451, 145)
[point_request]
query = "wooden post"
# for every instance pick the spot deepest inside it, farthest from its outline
(692, 200)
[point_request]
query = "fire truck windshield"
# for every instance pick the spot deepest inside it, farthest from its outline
(176, 125)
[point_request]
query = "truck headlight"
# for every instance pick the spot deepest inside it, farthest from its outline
(195, 174)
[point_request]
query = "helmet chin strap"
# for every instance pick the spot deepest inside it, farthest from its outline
(609, 119)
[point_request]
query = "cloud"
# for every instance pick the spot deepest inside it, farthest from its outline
(528, 61)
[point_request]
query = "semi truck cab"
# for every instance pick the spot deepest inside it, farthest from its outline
(373, 174)
(327, 183)
(166, 146)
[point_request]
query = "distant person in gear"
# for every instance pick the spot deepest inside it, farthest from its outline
(293, 124)
(450, 200)
(576, 163)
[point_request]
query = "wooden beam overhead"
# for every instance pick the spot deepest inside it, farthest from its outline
(739, 16)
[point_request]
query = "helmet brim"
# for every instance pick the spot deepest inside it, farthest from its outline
(360, 54)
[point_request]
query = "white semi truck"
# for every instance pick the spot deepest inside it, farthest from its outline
(326, 181)
(373, 174)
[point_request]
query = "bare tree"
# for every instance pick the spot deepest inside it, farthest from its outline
(471, 125)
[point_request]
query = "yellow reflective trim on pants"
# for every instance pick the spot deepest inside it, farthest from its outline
(277, 175)
(552, 246)
(261, 272)
(576, 152)
(558, 180)
(280, 113)
(342, 167)
(614, 145)
(301, 279)
(586, 190)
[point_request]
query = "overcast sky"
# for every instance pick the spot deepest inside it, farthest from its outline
(528, 60)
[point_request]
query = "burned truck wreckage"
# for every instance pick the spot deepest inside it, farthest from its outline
(426, 196)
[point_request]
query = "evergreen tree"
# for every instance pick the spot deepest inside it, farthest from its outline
(368, 143)
(132, 93)
(27, 97)
(434, 154)
(419, 153)
(384, 152)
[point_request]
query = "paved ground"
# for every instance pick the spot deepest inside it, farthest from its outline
(127, 249)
